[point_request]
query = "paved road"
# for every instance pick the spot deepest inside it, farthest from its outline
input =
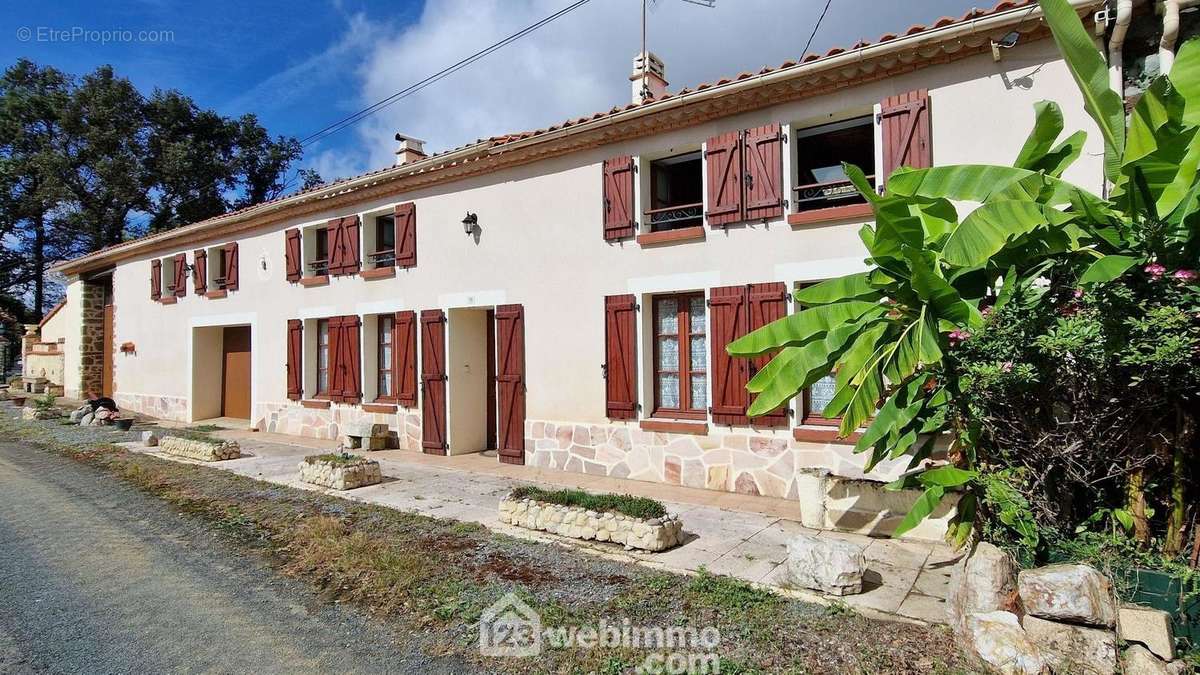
(96, 577)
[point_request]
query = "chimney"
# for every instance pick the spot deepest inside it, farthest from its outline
(410, 150)
(655, 80)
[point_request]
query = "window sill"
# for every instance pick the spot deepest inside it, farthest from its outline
(379, 407)
(214, 295)
(828, 214)
(169, 300)
(309, 282)
(315, 404)
(378, 273)
(675, 427)
(672, 236)
(823, 435)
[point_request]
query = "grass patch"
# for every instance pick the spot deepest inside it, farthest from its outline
(336, 459)
(635, 507)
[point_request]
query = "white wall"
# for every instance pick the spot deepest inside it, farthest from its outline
(541, 242)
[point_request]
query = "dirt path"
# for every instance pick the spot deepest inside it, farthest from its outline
(97, 577)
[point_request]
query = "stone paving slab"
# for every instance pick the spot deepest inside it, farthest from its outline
(905, 580)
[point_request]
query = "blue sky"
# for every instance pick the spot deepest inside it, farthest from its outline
(302, 64)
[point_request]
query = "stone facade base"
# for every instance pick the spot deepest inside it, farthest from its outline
(338, 476)
(161, 407)
(658, 534)
(203, 451)
(336, 421)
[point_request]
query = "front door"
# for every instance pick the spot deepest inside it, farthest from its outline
(106, 361)
(235, 376)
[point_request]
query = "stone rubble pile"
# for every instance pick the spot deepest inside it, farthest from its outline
(84, 416)
(826, 564)
(648, 534)
(338, 476)
(1059, 618)
(204, 451)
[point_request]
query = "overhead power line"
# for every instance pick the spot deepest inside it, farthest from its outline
(357, 117)
(812, 35)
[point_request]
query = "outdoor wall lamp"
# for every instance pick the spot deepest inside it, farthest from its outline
(469, 223)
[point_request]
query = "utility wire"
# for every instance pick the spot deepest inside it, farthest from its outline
(821, 18)
(351, 120)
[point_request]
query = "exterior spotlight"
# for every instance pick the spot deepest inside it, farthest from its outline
(1007, 42)
(470, 222)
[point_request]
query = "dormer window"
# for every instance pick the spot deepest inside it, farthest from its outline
(676, 192)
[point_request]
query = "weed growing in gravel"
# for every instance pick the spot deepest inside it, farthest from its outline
(635, 507)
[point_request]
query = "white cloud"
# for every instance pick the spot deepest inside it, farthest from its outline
(576, 65)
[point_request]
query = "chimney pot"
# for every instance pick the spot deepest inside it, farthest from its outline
(410, 150)
(654, 81)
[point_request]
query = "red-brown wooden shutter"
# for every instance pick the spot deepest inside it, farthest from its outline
(406, 235)
(333, 383)
(433, 382)
(619, 220)
(231, 266)
(764, 172)
(180, 275)
(350, 348)
(155, 279)
(295, 359)
(404, 358)
(723, 164)
(728, 321)
(343, 246)
(293, 255)
(510, 382)
(768, 302)
(906, 131)
(620, 357)
(200, 271)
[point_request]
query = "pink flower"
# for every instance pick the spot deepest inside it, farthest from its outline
(986, 312)
(958, 335)
(1006, 367)
(1185, 275)
(1154, 269)
(1078, 293)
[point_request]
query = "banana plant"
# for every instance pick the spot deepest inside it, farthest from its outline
(884, 334)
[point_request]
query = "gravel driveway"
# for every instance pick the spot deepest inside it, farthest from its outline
(96, 577)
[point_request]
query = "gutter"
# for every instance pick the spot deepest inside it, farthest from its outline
(487, 149)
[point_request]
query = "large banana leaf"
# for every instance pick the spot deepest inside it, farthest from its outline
(985, 230)
(1090, 71)
(799, 328)
(1185, 75)
(1040, 152)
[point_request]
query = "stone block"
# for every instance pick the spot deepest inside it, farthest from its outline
(833, 566)
(1137, 660)
(1069, 648)
(998, 640)
(340, 475)
(204, 451)
(1149, 627)
(657, 534)
(1075, 593)
(982, 582)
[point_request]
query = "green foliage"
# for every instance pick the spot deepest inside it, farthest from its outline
(44, 403)
(636, 507)
(898, 337)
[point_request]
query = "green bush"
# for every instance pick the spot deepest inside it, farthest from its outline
(635, 507)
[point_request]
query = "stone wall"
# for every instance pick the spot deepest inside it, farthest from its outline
(340, 476)
(91, 339)
(725, 459)
(336, 421)
(160, 407)
(656, 534)
(203, 451)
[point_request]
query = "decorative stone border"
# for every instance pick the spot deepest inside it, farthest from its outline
(203, 451)
(339, 476)
(657, 534)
